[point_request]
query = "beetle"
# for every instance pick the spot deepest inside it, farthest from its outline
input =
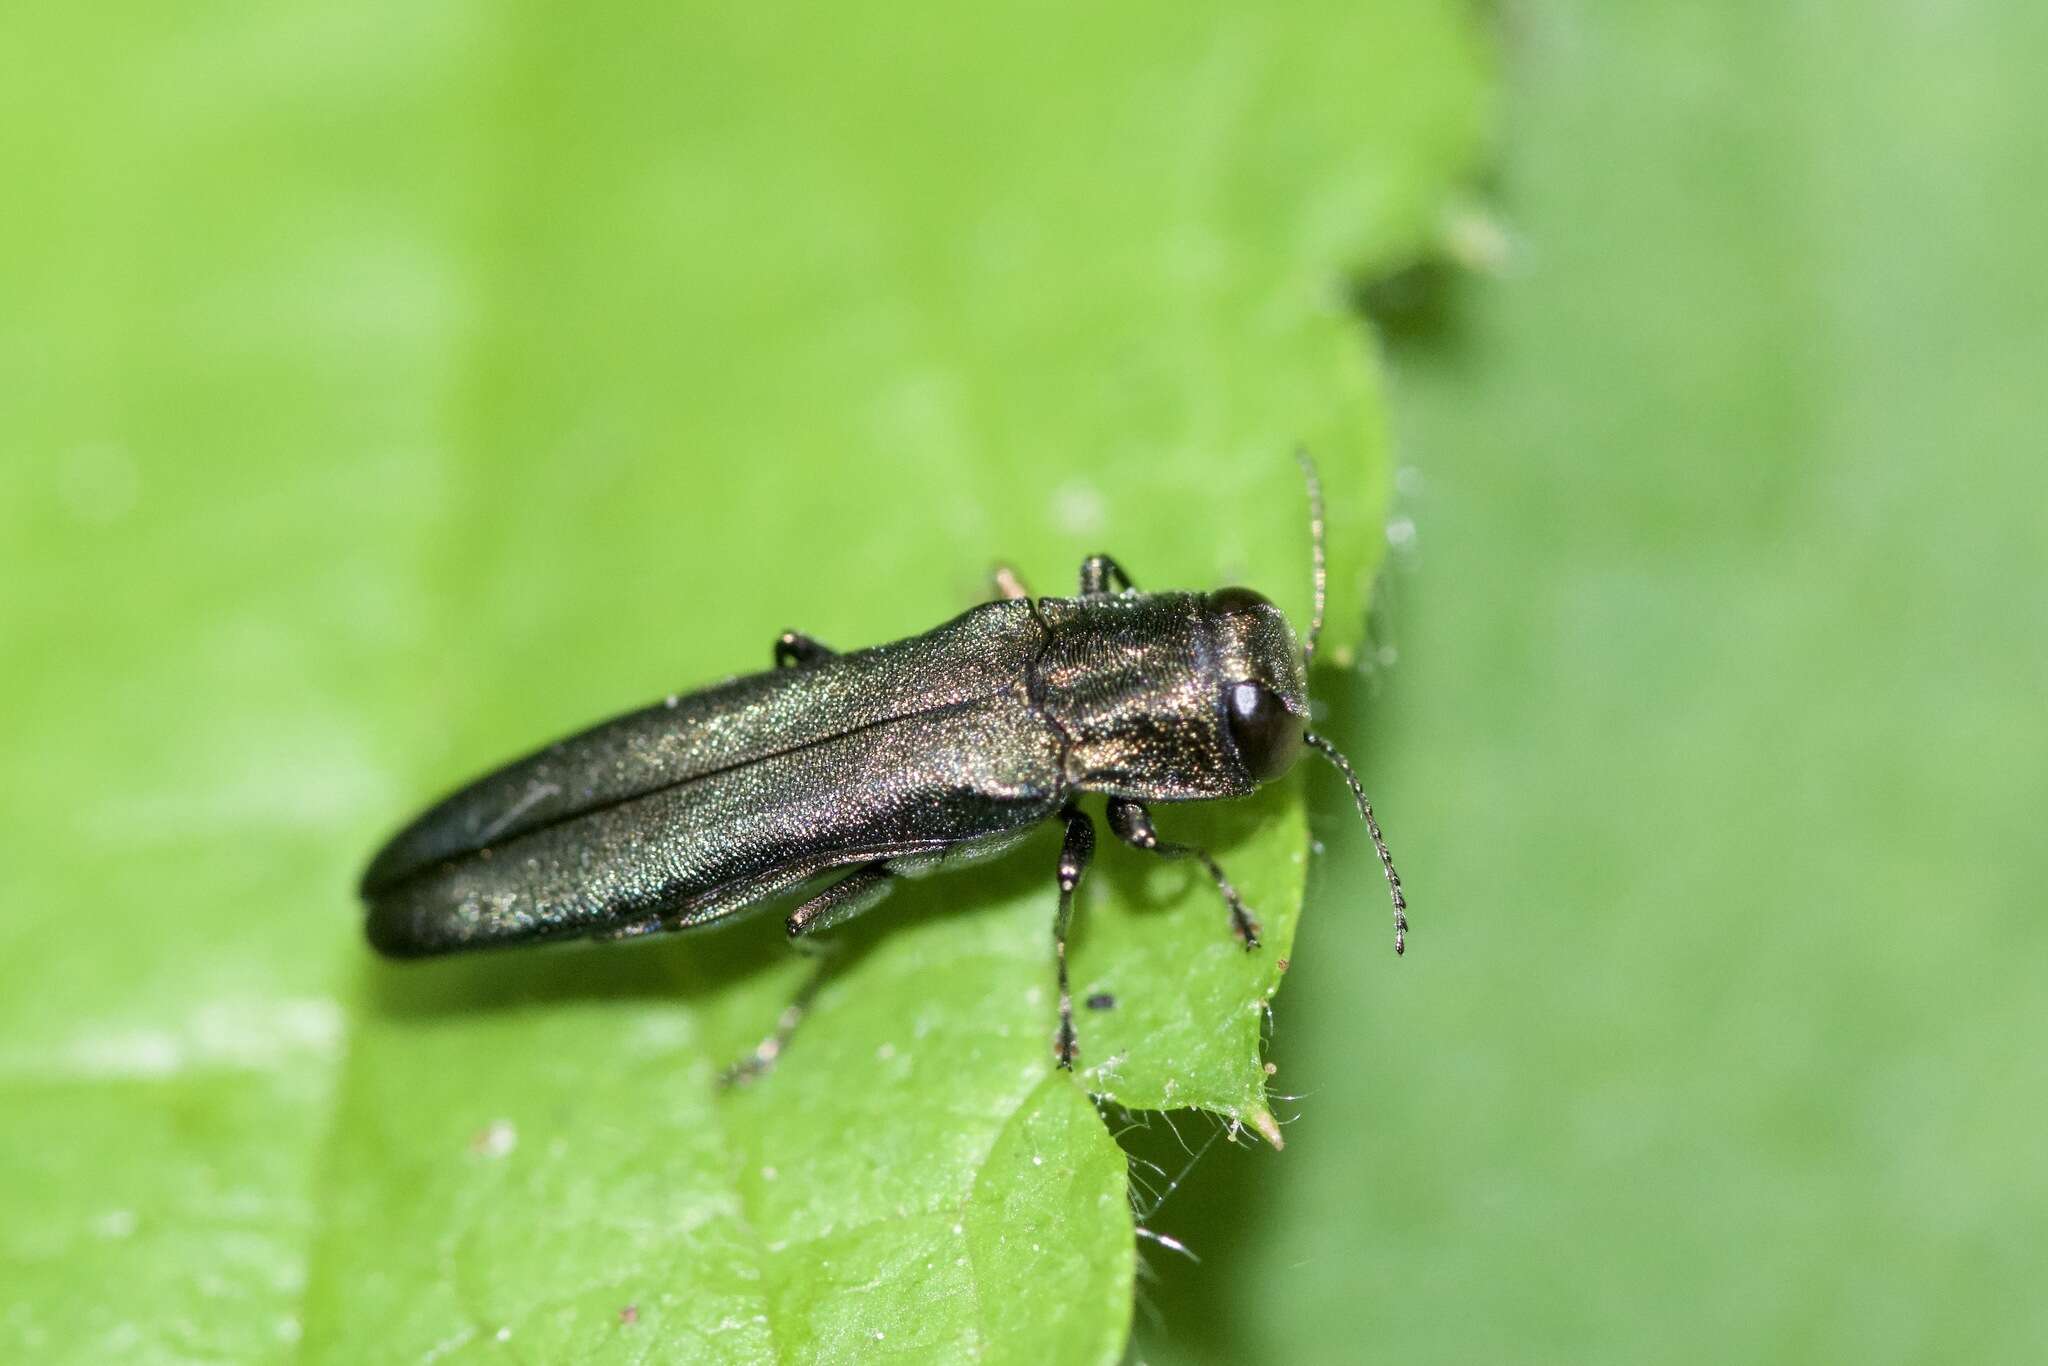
(867, 766)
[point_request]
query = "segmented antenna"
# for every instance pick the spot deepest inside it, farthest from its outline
(1329, 751)
(1315, 537)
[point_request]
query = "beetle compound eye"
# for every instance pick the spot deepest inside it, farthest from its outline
(1268, 735)
(1234, 601)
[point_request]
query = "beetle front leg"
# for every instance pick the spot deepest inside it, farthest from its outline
(1075, 851)
(794, 649)
(1132, 824)
(1099, 571)
(837, 904)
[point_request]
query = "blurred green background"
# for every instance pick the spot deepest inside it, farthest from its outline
(1717, 749)
(370, 404)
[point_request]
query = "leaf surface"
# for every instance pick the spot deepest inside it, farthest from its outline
(401, 388)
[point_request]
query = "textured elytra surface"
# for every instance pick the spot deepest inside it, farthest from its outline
(401, 389)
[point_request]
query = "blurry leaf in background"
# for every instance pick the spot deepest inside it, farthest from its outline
(389, 389)
(1715, 754)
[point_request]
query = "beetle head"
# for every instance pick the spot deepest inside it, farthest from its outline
(1265, 687)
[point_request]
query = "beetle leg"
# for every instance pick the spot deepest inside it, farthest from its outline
(840, 902)
(1132, 824)
(1008, 585)
(1075, 851)
(794, 649)
(837, 904)
(1099, 571)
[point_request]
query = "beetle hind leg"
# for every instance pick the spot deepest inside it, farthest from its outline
(1075, 852)
(838, 903)
(1132, 824)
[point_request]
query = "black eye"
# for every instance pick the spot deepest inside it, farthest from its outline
(1268, 735)
(1237, 600)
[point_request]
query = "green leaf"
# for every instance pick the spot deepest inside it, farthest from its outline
(392, 389)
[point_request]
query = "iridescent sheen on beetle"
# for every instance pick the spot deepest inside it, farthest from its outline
(863, 766)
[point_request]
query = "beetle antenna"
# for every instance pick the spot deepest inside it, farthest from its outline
(1320, 571)
(1329, 751)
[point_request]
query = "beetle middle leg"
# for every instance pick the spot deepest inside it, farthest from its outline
(840, 902)
(1132, 824)
(794, 649)
(1075, 851)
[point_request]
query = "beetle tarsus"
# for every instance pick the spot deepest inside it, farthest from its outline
(761, 1060)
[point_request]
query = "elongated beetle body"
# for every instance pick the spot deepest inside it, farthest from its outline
(941, 748)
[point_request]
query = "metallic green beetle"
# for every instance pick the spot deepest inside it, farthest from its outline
(940, 749)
